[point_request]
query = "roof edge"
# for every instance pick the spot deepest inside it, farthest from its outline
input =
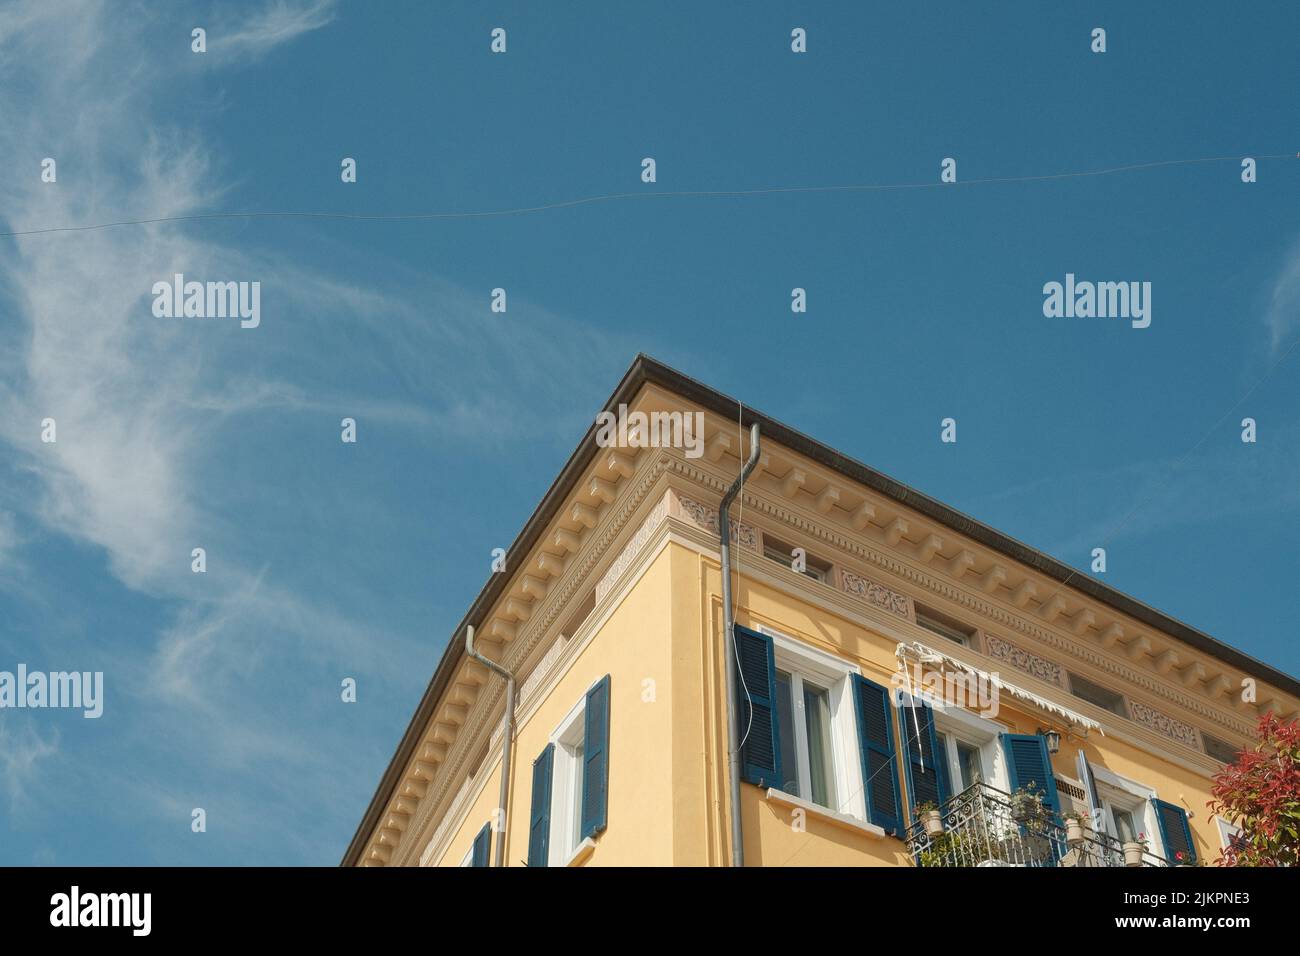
(646, 370)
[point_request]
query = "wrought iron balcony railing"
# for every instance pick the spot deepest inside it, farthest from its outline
(982, 826)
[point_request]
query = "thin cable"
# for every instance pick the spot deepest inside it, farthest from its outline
(740, 495)
(617, 197)
(916, 721)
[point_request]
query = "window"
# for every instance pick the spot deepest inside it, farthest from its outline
(1103, 697)
(969, 763)
(969, 745)
(821, 759)
(566, 798)
(1127, 813)
(783, 554)
(946, 626)
(1220, 750)
(967, 748)
(1229, 833)
(965, 763)
(570, 793)
(1122, 824)
(804, 713)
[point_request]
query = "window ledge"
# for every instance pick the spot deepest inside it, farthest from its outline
(581, 853)
(830, 816)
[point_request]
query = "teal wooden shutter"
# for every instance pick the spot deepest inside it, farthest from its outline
(482, 846)
(595, 759)
(1175, 833)
(761, 755)
(539, 817)
(927, 767)
(876, 740)
(1029, 763)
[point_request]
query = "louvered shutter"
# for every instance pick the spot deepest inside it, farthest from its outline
(539, 817)
(482, 846)
(1175, 833)
(1029, 763)
(595, 759)
(927, 767)
(761, 754)
(879, 767)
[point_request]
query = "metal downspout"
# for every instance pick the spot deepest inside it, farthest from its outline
(499, 851)
(729, 640)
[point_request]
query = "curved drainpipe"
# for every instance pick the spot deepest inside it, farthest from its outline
(729, 640)
(499, 851)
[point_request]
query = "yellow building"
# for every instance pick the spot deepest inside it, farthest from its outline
(894, 656)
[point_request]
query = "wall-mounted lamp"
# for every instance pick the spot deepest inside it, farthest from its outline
(1053, 739)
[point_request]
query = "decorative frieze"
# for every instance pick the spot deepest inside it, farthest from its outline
(1153, 719)
(1021, 659)
(705, 517)
(876, 594)
(538, 673)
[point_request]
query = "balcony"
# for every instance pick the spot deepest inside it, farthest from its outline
(983, 826)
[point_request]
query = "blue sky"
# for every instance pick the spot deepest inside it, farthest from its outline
(328, 560)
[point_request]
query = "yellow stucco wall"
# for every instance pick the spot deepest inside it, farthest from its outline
(632, 646)
(667, 784)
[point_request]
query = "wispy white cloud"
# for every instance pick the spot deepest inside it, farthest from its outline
(140, 404)
(1282, 316)
(22, 749)
(275, 24)
(133, 399)
(8, 538)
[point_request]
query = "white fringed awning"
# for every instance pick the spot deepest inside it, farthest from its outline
(920, 653)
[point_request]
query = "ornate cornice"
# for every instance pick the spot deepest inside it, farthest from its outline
(984, 607)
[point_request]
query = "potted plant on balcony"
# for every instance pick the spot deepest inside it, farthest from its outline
(932, 818)
(1073, 831)
(1026, 806)
(947, 850)
(1134, 850)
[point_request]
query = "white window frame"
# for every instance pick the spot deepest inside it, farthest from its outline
(1112, 800)
(1227, 831)
(787, 561)
(1112, 789)
(799, 659)
(984, 748)
(469, 856)
(946, 631)
(566, 785)
(957, 723)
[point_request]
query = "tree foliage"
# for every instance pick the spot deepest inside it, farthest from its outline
(1261, 794)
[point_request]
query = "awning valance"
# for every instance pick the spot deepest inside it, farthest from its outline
(916, 652)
